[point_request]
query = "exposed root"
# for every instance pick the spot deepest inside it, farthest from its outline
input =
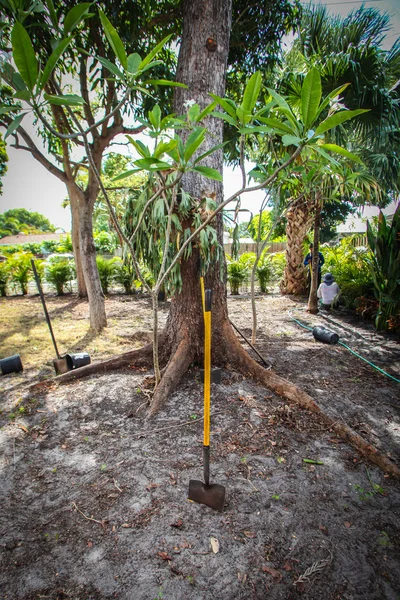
(173, 373)
(246, 365)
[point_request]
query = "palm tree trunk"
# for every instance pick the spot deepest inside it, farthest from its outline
(298, 222)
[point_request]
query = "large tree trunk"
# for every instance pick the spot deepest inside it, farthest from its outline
(298, 222)
(313, 300)
(76, 243)
(98, 319)
(202, 66)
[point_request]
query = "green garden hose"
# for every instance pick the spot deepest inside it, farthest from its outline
(352, 351)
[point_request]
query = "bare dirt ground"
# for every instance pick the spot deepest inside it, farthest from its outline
(94, 496)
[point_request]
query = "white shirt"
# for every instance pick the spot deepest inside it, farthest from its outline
(328, 293)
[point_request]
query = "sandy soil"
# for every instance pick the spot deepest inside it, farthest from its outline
(94, 496)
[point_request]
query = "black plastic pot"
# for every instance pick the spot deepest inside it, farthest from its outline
(74, 361)
(12, 364)
(325, 335)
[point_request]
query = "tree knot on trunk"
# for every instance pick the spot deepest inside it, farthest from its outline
(211, 44)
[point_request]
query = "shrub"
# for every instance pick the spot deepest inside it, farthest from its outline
(49, 246)
(4, 278)
(265, 272)
(20, 269)
(105, 242)
(107, 271)
(58, 274)
(125, 276)
(238, 272)
(65, 244)
(349, 266)
(278, 262)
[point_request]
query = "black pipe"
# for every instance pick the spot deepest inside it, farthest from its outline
(250, 344)
(46, 314)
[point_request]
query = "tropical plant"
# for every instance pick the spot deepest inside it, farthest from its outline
(278, 261)
(349, 266)
(238, 272)
(107, 269)
(385, 268)
(265, 272)
(105, 242)
(19, 265)
(4, 278)
(125, 276)
(65, 244)
(58, 273)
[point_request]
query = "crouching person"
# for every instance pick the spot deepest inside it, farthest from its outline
(329, 292)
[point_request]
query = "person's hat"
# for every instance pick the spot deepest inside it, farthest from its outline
(328, 278)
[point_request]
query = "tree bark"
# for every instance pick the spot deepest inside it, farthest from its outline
(75, 237)
(298, 222)
(313, 300)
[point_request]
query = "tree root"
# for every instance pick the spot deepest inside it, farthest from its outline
(173, 373)
(241, 360)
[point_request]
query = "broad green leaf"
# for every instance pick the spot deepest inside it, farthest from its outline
(51, 63)
(126, 174)
(114, 40)
(147, 59)
(208, 172)
(275, 124)
(195, 139)
(152, 163)
(193, 112)
(134, 61)
(165, 82)
(226, 105)
(155, 117)
(13, 126)
(290, 140)
(111, 67)
(251, 92)
(280, 100)
(165, 148)
(342, 151)
(6, 109)
(24, 55)
(338, 119)
(206, 111)
(75, 16)
(327, 156)
(23, 95)
(210, 151)
(256, 129)
(140, 147)
(225, 117)
(18, 82)
(65, 100)
(311, 92)
(243, 115)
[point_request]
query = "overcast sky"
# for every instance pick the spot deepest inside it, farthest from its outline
(28, 185)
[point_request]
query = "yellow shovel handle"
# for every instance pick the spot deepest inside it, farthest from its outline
(207, 375)
(203, 294)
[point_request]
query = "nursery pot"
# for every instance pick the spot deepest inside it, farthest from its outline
(325, 335)
(74, 361)
(12, 364)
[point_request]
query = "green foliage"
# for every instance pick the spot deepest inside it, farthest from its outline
(265, 271)
(4, 278)
(107, 269)
(105, 242)
(19, 265)
(18, 220)
(278, 262)
(349, 266)
(65, 244)
(384, 267)
(58, 273)
(3, 164)
(238, 271)
(125, 276)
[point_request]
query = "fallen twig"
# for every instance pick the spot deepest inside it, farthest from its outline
(316, 567)
(117, 486)
(102, 523)
(191, 422)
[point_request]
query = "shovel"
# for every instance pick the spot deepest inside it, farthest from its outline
(212, 495)
(62, 364)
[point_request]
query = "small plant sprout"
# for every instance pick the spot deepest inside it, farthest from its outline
(280, 459)
(193, 416)
(54, 470)
(103, 467)
(275, 497)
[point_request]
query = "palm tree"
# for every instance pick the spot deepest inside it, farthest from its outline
(347, 51)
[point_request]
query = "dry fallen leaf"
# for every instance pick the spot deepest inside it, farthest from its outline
(177, 524)
(126, 525)
(347, 524)
(24, 428)
(287, 567)
(214, 544)
(250, 534)
(271, 571)
(164, 555)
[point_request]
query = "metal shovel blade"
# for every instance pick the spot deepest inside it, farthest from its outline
(212, 495)
(60, 365)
